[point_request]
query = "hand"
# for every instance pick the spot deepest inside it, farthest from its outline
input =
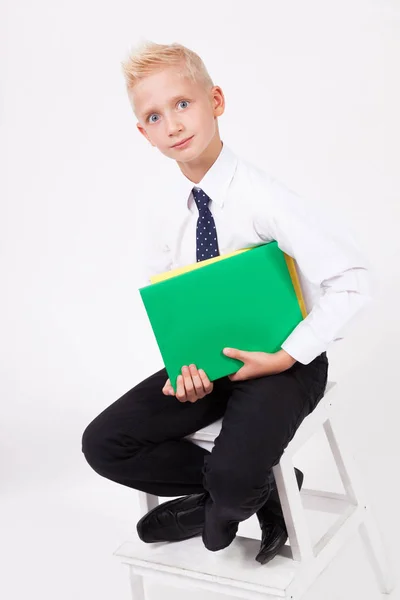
(258, 364)
(193, 385)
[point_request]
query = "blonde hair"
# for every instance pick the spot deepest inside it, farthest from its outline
(149, 57)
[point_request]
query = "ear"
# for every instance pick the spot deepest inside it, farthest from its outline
(144, 133)
(218, 101)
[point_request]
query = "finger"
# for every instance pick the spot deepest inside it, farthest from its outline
(188, 383)
(207, 384)
(197, 381)
(170, 389)
(180, 390)
(238, 376)
(167, 387)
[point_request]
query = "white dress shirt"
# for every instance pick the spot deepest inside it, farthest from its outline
(250, 208)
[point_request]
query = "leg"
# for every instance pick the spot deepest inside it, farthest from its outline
(261, 417)
(136, 441)
(312, 378)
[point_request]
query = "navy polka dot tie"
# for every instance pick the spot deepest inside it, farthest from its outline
(206, 233)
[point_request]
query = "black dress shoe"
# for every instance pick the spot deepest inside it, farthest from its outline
(274, 536)
(175, 520)
(272, 522)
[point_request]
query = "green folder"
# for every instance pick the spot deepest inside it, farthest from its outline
(250, 301)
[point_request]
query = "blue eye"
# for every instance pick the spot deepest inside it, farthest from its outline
(155, 114)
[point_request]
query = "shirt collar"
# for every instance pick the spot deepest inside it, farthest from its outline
(215, 182)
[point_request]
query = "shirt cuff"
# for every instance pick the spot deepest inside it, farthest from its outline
(303, 345)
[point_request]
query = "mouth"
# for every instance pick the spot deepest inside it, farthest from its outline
(182, 143)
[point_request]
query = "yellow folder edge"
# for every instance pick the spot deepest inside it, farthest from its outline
(289, 261)
(296, 283)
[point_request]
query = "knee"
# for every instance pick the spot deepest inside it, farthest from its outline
(93, 444)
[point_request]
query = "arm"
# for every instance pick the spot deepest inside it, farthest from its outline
(327, 256)
(157, 253)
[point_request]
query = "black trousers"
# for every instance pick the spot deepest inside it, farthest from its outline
(137, 441)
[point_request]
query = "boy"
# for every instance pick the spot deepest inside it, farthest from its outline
(222, 203)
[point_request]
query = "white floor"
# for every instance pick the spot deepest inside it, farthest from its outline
(57, 541)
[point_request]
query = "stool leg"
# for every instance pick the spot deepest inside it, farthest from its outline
(369, 532)
(147, 502)
(340, 462)
(137, 585)
(292, 508)
(376, 552)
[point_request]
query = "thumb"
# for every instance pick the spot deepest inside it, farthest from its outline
(235, 353)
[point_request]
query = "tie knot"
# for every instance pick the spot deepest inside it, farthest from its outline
(201, 199)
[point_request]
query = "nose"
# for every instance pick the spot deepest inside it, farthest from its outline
(173, 125)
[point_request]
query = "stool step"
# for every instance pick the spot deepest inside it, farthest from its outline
(232, 571)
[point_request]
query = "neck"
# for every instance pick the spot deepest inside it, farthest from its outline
(197, 168)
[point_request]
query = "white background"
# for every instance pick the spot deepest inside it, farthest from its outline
(312, 96)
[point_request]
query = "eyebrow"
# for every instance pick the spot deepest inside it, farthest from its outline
(150, 111)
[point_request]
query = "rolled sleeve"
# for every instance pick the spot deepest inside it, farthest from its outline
(343, 297)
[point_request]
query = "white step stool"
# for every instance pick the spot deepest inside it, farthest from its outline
(233, 571)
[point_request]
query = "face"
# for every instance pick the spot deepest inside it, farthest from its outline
(172, 108)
